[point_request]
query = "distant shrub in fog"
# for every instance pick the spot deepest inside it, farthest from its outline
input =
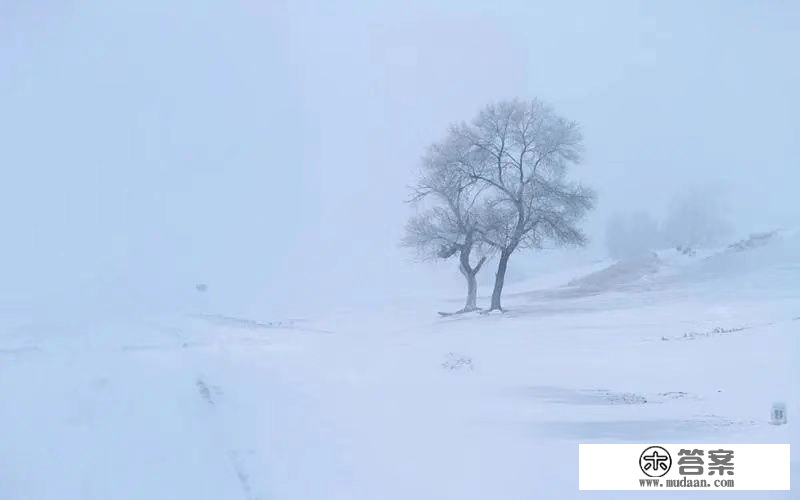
(632, 236)
(694, 220)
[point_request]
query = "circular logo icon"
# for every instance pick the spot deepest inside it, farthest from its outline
(655, 461)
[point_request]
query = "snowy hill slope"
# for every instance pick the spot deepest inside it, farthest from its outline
(770, 259)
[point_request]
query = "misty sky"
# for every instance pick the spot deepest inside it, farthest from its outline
(265, 147)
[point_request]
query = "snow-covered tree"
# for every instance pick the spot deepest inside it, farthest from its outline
(518, 154)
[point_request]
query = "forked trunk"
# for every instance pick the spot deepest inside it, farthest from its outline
(470, 274)
(472, 290)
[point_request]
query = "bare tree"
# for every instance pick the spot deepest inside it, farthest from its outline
(518, 154)
(447, 228)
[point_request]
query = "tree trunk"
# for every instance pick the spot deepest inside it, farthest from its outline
(499, 280)
(470, 274)
(472, 290)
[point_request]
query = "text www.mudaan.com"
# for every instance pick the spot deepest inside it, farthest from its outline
(685, 483)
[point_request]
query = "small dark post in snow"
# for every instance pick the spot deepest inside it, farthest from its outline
(778, 414)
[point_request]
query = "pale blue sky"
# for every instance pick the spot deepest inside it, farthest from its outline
(264, 147)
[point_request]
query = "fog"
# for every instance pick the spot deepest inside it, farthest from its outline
(265, 148)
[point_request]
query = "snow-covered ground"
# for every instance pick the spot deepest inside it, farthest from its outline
(395, 402)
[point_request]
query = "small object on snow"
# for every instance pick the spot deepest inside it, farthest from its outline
(778, 414)
(716, 331)
(201, 287)
(674, 394)
(456, 362)
(204, 391)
